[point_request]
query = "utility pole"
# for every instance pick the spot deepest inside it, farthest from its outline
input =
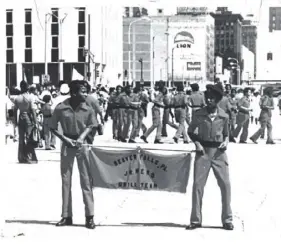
(141, 62)
(172, 84)
(45, 54)
(89, 48)
(167, 60)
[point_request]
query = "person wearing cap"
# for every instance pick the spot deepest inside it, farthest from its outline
(243, 117)
(168, 101)
(196, 99)
(77, 120)
(156, 115)
(142, 112)
(130, 102)
(266, 105)
(209, 130)
(180, 103)
(26, 121)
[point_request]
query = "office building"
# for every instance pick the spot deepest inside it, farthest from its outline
(274, 18)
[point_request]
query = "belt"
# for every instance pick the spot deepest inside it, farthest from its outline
(210, 144)
(156, 105)
(89, 139)
(47, 116)
(179, 106)
(74, 137)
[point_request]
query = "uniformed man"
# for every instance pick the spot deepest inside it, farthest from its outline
(267, 105)
(168, 102)
(77, 120)
(180, 103)
(156, 115)
(209, 132)
(142, 112)
(121, 116)
(196, 99)
(232, 121)
(243, 116)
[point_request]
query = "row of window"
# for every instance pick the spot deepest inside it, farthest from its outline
(9, 16)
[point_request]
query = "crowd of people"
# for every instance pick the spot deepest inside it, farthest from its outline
(74, 112)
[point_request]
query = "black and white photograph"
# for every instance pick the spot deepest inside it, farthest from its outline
(140, 124)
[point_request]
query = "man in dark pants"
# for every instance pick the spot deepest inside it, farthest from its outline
(77, 120)
(209, 130)
(267, 105)
(243, 117)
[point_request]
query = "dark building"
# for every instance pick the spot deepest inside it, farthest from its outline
(274, 18)
(228, 37)
(249, 33)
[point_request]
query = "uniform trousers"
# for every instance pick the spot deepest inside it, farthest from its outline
(243, 121)
(67, 160)
(180, 114)
(156, 123)
(217, 160)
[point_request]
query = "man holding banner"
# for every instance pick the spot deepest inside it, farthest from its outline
(77, 120)
(209, 131)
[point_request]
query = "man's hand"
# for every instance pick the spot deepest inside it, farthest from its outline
(199, 149)
(69, 142)
(79, 142)
(223, 145)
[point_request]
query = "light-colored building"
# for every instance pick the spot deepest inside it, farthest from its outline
(66, 40)
(248, 58)
(179, 48)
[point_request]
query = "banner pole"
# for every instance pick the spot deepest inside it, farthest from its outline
(139, 166)
(133, 148)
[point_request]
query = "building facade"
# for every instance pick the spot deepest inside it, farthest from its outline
(248, 73)
(52, 39)
(274, 18)
(228, 37)
(249, 33)
(177, 48)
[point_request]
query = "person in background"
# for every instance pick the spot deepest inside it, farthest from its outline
(266, 105)
(109, 104)
(49, 137)
(27, 120)
(234, 111)
(9, 107)
(142, 112)
(243, 117)
(196, 99)
(157, 100)
(279, 103)
(256, 107)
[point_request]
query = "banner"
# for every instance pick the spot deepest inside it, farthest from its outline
(139, 169)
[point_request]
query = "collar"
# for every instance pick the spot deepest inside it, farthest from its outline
(66, 105)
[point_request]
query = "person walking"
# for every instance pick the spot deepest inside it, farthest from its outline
(77, 120)
(209, 132)
(180, 103)
(26, 122)
(266, 105)
(156, 115)
(196, 99)
(142, 112)
(243, 117)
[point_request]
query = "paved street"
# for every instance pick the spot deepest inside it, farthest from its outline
(136, 219)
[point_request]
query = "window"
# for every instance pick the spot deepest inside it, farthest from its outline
(273, 18)
(9, 42)
(9, 30)
(81, 57)
(55, 42)
(55, 29)
(28, 29)
(28, 42)
(269, 56)
(55, 15)
(9, 17)
(10, 56)
(55, 55)
(81, 41)
(81, 16)
(28, 16)
(28, 55)
(81, 29)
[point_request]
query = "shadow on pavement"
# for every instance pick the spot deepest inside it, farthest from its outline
(39, 222)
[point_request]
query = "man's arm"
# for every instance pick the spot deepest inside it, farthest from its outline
(241, 107)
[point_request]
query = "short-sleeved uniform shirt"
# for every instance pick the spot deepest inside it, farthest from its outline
(209, 130)
(244, 102)
(73, 122)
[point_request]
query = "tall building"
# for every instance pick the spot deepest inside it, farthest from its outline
(274, 18)
(134, 12)
(174, 49)
(228, 37)
(249, 33)
(67, 42)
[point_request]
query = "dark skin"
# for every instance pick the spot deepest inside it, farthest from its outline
(75, 101)
(212, 101)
